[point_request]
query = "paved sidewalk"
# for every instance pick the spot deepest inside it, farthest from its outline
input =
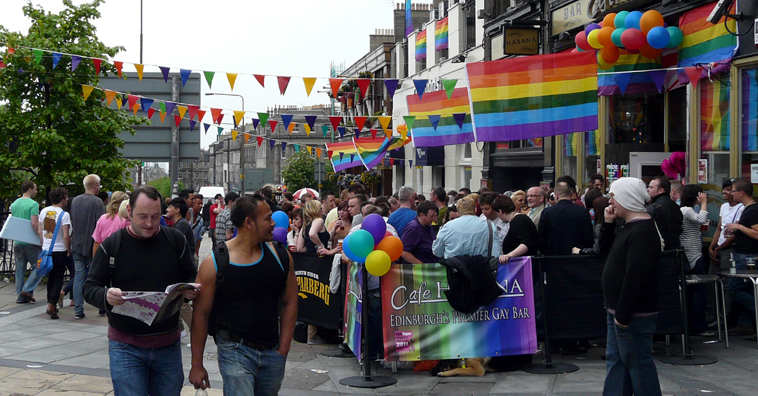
(40, 356)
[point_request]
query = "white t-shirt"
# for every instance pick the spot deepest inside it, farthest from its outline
(49, 217)
(729, 214)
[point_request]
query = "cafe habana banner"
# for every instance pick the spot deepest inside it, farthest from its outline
(419, 323)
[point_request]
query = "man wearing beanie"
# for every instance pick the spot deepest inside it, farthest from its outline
(630, 283)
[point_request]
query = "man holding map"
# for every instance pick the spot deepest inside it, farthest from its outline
(144, 257)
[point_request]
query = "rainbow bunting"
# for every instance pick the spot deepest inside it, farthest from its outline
(440, 34)
(399, 141)
(371, 150)
(714, 116)
(749, 110)
(608, 84)
(533, 96)
(705, 42)
(348, 159)
(421, 45)
(437, 104)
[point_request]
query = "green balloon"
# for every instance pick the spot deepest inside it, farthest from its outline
(616, 37)
(675, 37)
(361, 243)
(620, 20)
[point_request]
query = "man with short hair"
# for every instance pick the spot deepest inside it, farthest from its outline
(439, 198)
(745, 244)
(177, 211)
(26, 208)
(535, 199)
(598, 181)
(255, 309)
(468, 234)
(465, 191)
(215, 209)
(401, 217)
(354, 205)
(677, 188)
(86, 209)
(328, 205)
(419, 236)
(268, 192)
(144, 359)
(187, 195)
(486, 202)
(564, 225)
(356, 189)
(394, 204)
(664, 211)
(224, 226)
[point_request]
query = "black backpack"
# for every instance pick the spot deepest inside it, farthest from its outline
(471, 281)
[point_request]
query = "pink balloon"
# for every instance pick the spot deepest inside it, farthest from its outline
(633, 39)
(581, 41)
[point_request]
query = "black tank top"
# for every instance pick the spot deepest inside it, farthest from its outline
(248, 302)
(310, 247)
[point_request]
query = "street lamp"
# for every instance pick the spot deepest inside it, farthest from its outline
(242, 146)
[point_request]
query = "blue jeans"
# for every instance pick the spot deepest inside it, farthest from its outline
(247, 371)
(741, 290)
(26, 254)
(81, 265)
(629, 358)
(139, 371)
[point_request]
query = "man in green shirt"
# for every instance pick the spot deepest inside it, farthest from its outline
(439, 197)
(26, 208)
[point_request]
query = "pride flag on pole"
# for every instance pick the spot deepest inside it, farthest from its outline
(705, 42)
(408, 18)
(437, 104)
(714, 115)
(440, 34)
(533, 96)
(371, 150)
(421, 45)
(344, 156)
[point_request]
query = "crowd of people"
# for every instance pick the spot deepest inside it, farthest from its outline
(245, 293)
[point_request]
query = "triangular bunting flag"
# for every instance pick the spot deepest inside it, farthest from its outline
(234, 120)
(359, 121)
(420, 87)
(220, 117)
(307, 130)
(182, 110)
(324, 130)
(271, 143)
(449, 87)
(119, 66)
(352, 157)
(259, 139)
(335, 120)
(150, 113)
(272, 124)
(255, 123)
(209, 77)
(170, 107)
(286, 119)
(135, 108)
(147, 103)
(162, 107)
(297, 148)
(132, 100)
(341, 155)
(234, 134)
(283, 82)
(200, 115)
(363, 84)
(658, 77)
(263, 117)
(206, 126)
(329, 153)
(177, 120)
(391, 86)
(56, 58)
(261, 79)
(318, 152)
(384, 121)
(97, 65)
(109, 95)
(193, 110)
(311, 120)
(284, 146)
(192, 124)
(291, 128)
(341, 131)
(335, 84)
(119, 103)
(215, 113)
(164, 71)
(247, 137)
(239, 115)
(693, 73)
(410, 163)
(185, 76)
(409, 123)
(87, 90)
(163, 116)
(459, 118)
(435, 120)
(140, 70)
(309, 82)
(392, 162)
(75, 59)
(232, 77)
(220, 129)
(310, 150)
(37, 56)
(622, 80)
(357, 132)
(373, 133)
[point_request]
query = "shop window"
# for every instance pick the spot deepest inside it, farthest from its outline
(714, 114)
(466, 177)
(749, 117)
(677, 125)
(636, 118)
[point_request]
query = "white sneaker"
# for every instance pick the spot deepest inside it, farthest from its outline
(184, 333)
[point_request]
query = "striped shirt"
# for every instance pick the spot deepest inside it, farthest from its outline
(691, 238)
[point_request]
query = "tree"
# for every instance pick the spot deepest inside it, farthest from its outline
(49, 129)
(163, 185)
(298, 172)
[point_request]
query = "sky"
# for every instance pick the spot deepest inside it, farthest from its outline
(298, 38)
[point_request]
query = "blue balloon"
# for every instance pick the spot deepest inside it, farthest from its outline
(346, 251)
(281, 219)
(620, 20)
(633, 20)
(658, 37)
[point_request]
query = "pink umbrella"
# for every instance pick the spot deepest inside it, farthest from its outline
(302, 191)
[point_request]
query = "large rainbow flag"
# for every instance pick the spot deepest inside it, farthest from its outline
(421, 45)
(447, 132)
(714, 116)
(749, 110)
(705, 42)
(440, 34)
(349, 157)
(533, 96)
(371, 150)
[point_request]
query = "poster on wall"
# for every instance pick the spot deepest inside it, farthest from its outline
(754, 173)
(702, 171)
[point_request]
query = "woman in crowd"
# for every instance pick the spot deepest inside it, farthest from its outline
(692, 242)
(599, 205)
(521, 239)
(519, 199)
(296, 223)
(451, 213)
(313, 235)
(50, 217)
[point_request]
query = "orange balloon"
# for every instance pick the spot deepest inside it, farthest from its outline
(610, 20)
(604, 36)
(601, 64)
(610, 54)
(649, 52)
(649, 20)
(391, 245)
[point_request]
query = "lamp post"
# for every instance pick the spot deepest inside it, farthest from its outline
(242, 146)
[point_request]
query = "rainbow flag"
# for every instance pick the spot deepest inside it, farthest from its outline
(448, 132)
(705, 42)
(440, 34)
(371, 150)
(592, 142)
(398, 141)
(408, 18)
(533, 96)
(749, 110)
(571, 143)
(714, 116)
(421, 45)
(608, 84)
(350, 157)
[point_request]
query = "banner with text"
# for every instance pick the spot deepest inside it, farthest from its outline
(419, 324)
(353, 308)
(315, 304)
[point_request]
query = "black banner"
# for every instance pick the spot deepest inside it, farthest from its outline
(316, 303)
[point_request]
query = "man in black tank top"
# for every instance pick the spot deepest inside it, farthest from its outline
(252, 335)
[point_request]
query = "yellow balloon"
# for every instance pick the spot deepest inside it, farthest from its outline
(378, 263)
(593, 40)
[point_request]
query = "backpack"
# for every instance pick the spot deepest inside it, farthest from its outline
(171, 235)
(471, 281)
(221, 256)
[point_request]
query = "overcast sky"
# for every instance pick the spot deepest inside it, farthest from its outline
(281, 37)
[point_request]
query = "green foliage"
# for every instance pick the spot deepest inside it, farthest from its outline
(49, 130)
(298, 172)
(163, 185)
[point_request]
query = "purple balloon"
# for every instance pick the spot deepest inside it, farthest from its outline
(375, 225)
(591, 27)
(280, 234)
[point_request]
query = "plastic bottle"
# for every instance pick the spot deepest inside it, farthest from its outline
(201, 392)
(733, 267)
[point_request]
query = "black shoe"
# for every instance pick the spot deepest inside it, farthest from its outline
(101, 312)
(79, 316)
(28, 296)
(22, 299)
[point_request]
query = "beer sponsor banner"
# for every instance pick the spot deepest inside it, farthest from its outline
(354, 308)
(419, 324)
(316, 304)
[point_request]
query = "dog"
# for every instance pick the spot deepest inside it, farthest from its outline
(477, 367)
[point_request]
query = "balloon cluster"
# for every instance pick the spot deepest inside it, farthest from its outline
(634, 31)
(373, 245)
(282, 224)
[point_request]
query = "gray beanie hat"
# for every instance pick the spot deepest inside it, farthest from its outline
(631, 193)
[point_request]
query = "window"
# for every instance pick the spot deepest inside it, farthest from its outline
(749, 117)
(499, 7)
(469, 11)
(636, 118)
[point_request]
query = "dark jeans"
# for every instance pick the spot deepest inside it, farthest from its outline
(71, 275)
(741, 290)
(629, 358)
(55, 277)
(696, 295)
